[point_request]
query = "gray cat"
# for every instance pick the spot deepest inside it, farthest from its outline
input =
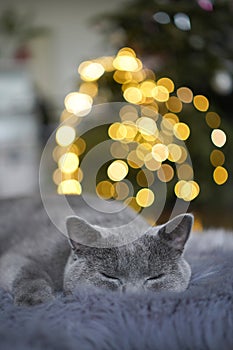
(36, 261)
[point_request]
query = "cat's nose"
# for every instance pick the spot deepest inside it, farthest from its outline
(131, 288)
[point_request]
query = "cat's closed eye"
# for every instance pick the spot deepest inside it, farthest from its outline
(154, 278)
(110, 277)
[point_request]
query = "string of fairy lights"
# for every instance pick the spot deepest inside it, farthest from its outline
(149, 136)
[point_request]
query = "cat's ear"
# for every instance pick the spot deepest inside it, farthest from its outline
(80, 232)
(176, 231)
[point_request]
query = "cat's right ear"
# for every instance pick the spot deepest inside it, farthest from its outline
(80, 232)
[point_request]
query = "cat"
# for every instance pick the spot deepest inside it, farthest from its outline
(36, 261)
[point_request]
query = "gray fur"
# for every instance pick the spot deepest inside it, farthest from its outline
(36, 261)
(200, 318)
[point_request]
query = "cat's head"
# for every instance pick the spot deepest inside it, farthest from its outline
(152, 262)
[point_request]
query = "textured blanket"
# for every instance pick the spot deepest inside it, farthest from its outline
(199, 318)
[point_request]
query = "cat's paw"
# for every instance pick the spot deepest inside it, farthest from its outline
(34, 294)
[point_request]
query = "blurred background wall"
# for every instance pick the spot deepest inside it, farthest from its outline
(41, 45)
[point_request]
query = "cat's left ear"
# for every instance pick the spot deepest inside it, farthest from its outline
(80, 232)
(176, 231)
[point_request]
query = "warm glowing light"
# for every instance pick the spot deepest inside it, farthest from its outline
(174, 104)
(217, 158)
(145, 197)
(79, 174)
(68, 162)
(122, 77)
(105, 189)
(117, 170)
(89, 88)
(160, 152)
(107, 63)
(146, 87)
(90, 71)
(128, 113)
(65, 135)
(185, 94)
(213, 120)
(181, 131)
(218, 137)
(150, 111)
(151, 163)
(201, 103)
(80, 146)
(78, 103)
(121, 190)
(220, 175)
(185, 172)
(70, 186)
(160, 93)
(126, 62)
(167, 83)
(119, 150)
(134, 161)
(175, 152)
(165, 173)
(187, 190)
(171, 117)
(143, 149)
(133, 95)
(183, 157)
(117, 131)
(145, 178)
(146, 126)
(131, 131)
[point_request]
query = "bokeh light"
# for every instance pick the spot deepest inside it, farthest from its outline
(185, 94)
(218, 137)
(165, 173)
(167, 83)
(90, 71)
(185, 172)
(174, 104)
(145, 178)
(160, 152)
(65, 135)
(161, 17)
(133, 95)
(160, 93)
(201, 103)
(68, 162)
(121, 190)
(187, 190)
(117, 170)
(105, 189)
(175, 152)
(146, 126)
(70, 186)
(182, 21)
(220, 175)
(213, 120)
(145, 197)
(181, 131)
(78, 103)
(149, 132)
(217, 158)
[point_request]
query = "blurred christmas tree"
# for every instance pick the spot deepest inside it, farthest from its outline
(191, 43)
(173, 68)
